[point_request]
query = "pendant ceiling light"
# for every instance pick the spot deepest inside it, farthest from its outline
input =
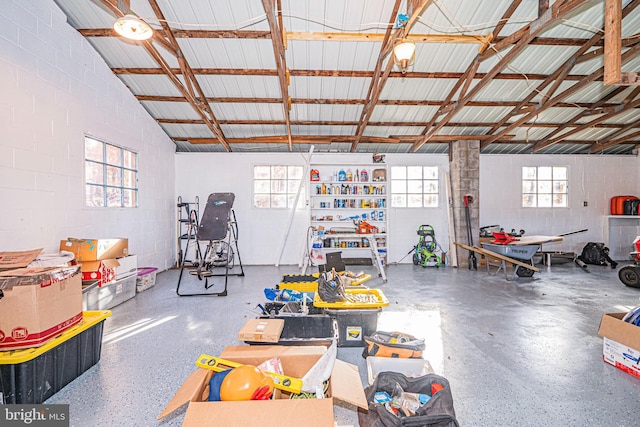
(132, 27)
(404, 54)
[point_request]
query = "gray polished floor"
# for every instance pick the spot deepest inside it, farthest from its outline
(517, 353)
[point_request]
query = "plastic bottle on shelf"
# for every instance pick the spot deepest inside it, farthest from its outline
(364, 175)
(342, 175)
(349, 175)
(315, 175)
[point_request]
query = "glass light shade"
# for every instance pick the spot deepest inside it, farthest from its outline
(404, 55)
(132, 27)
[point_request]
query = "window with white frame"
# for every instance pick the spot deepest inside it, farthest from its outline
(414, 186)
(545, 187)
(276, 186)
(110, 174)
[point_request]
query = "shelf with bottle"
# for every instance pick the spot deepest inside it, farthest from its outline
(350, 203)
(335, 241)
(345, 174)
(344, 188)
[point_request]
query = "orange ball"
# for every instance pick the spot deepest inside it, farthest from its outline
(242, 382)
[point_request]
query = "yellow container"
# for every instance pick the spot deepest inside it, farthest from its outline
(89, 319)
(356, 299)
(305, 284)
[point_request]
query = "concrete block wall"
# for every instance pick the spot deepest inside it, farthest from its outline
(465, 181)
(55, 90)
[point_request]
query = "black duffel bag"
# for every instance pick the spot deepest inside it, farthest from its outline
(437, 412)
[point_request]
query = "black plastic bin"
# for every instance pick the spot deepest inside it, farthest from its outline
(312, 329)
(353, 325)
(33, 375)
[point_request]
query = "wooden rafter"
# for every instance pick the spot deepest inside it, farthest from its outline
(572, 122)
(465, 80)
(338, 73)
(380, 77)
(593, 122)
(553, 101)
(411, 102)
(379, 124)
(281, 65)
(328, 139)
(191, 86)
(608, 142)
(557, 12)
(188, 96)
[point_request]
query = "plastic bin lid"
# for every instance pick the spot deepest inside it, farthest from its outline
(143, 271)
(89, 319)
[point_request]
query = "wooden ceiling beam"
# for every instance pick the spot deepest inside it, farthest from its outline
(379, 37)
(609, 142)
(275, 27)
(379, 124)
(193, 88)
(406, 102)
(336, 73)
(590, 124)
(415, 8)
(465, 80)
(583, 82)
(572, 122)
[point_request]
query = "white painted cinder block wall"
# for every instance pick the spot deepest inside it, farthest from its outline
(592, 178)
(262, 230)
(55, 89)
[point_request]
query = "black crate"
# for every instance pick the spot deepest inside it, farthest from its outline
(353, 325)
(34, 381)
(313, 329)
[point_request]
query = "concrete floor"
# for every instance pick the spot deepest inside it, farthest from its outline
(516, 353)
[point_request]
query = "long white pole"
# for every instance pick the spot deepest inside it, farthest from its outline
(303, 181)
(453, 256)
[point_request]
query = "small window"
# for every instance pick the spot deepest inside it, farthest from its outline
(545, 187)
(276, 186)
(110, 175)
(414, 186)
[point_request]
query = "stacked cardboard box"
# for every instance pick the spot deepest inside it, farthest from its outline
(108, 271)
(36, 304)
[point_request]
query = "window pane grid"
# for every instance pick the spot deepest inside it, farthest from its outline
(111, 175)
(414, 186)
(276, 186)
(545, 187)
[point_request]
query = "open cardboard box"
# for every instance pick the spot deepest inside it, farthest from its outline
(621, 344)
(344, 386)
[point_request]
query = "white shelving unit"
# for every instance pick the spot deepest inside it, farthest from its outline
(342, 195)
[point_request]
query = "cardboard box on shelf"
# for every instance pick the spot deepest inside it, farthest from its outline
(17, 259)
(95, 249)
(621, 343)
(261, 330)
(38, 304)
(344, 385)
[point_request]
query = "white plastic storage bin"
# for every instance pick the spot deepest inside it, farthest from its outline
(146, 278)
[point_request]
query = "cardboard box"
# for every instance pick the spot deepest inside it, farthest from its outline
(128, 266)
(103, 271)
(344, 385)
(19, 259)
(95, 249)
(261, 330)
(621, 356)
(38, 304)
(621, 343)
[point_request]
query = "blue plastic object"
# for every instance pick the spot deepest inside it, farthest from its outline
(214, 385)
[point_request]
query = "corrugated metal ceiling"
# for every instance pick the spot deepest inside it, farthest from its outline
(336, 98)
